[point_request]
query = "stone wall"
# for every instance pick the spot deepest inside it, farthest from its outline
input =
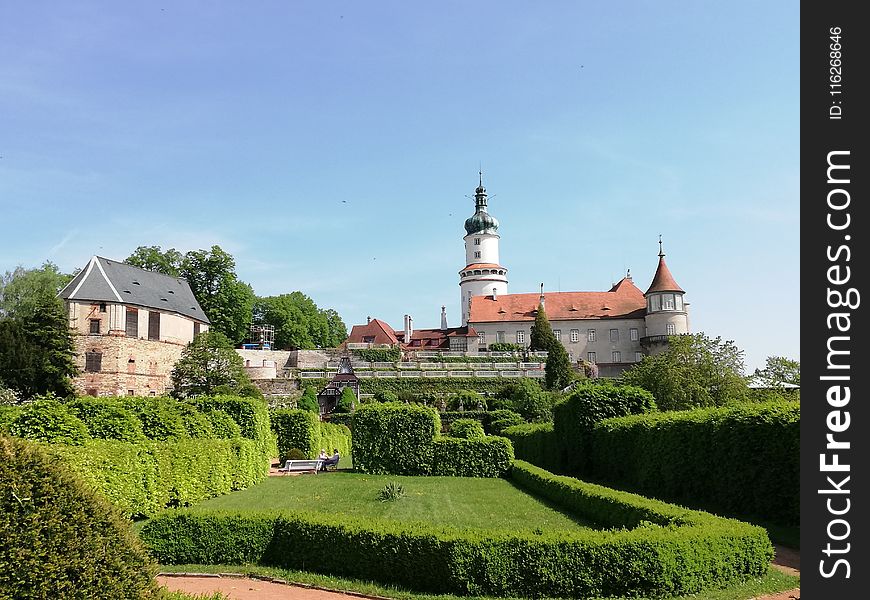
(128, 366)
(261, 358)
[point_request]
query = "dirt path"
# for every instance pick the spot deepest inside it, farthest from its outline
(245, 588)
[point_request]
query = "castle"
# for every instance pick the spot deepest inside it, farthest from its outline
(611, 329)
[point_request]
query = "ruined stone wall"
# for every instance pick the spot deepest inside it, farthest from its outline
(128, 366)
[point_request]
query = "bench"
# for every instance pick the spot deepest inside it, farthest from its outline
(301, 466)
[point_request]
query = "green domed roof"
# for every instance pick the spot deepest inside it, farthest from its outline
(481, 222)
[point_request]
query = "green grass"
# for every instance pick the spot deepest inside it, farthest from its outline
(774, 581)
(463, 502)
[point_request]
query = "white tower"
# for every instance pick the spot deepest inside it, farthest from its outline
(666, 311)
(482, 275)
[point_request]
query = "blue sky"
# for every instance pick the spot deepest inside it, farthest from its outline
(332, 147)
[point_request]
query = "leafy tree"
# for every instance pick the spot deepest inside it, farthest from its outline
(525, 397)
(308, 401)
(468, 400)
(557, 370)
(694, 371)
(542, 337)
(779, 370)
(209, 365)
(299, 323)
(20, 289)
(152, 258)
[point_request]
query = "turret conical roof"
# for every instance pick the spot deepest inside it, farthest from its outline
(663, 281)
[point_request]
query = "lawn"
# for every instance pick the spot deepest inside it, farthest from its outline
(452, 501)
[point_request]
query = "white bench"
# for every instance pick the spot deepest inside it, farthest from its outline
(301, 466)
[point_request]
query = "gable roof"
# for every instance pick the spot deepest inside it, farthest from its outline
(377, 330)
(663, 281)
(623, 300)
(105, 280)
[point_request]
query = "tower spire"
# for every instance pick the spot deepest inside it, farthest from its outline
(661, 252)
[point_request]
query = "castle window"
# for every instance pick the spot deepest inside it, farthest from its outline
(132, 322)
(590, 356)
(558, 334)
(153, 325)
(672, 329)
(679, 302)
(196, 329)
(638, 356)
(655, 303)
(668, 302)
(614, 336)
(521, 337)
(575, 336)
(590, 335)
(95, 327)
(482, 337)
(616, 357)
(93, 362)
(131, 392)
(632, 334)
(102, 307)
(499, 337)
(477, 254)
(477, 241)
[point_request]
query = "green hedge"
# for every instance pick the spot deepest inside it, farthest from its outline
(394, 438)
(739, 460)
(222, 425)
(142, 479)
(252, 417)
(469, 429)
(49, 421)
(296, 428)
(345, 419)
(574, 417)
(535, 443)
(482, 457)
(334, 435)
(448, 416)
(161, 417)
(667, 550)
(379, 354)
(7, 415)
(60, 540)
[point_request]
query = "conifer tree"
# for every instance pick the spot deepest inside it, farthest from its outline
(542, 336)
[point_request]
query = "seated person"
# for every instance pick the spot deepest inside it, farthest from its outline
(323, 455)
(333, 460)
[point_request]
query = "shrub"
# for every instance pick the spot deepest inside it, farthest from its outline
(308, 401)
(526, 397)
(738, 460)
(296, 428)
(160, 417)
(394, 438)
(535, 443)
(7, 415)
(468, 429)
(222, 425)
(588, 404)
(345, 419)
(60, 539)
(346, 402)
(108, 420)
(505, 347)
(467, 400)
(393, 354)
(386, 396)
(295, 454)
(676, 552)
(195, 423)
(498, 426)
(448, 417)
(252, 417)
(49, 421)
(483, 457)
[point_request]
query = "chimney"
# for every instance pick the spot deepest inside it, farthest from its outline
(494, 293)
(368, 320)
(443, 318)
(542, 295)
(408, 329)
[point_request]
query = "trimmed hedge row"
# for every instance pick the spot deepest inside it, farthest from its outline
(252, 417)
(669, 550)
(535, 443)
(303, 430)
(394, 438)
(468, 429)
(423, 385)
(143, 479)
(481, 457)
(740, 460)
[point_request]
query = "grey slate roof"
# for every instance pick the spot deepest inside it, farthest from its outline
(105, 280)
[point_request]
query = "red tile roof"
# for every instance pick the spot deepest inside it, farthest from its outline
(624, 300)
(482, 266)
(375, 332)
(663, 281)
(435, 338)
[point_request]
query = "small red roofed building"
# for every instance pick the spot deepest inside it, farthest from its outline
(378, 333)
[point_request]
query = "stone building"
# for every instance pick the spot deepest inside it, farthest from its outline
(611, 329)
(378, 333)
(130, 327)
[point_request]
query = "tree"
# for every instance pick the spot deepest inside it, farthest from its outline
(37, 352)
(346, 402)
(308, 401)
(694, 371)
(152, 258)
(542, 337)
(557, 370)
(20, 289)
(209, 365)
(299, 323)
(779, 370)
